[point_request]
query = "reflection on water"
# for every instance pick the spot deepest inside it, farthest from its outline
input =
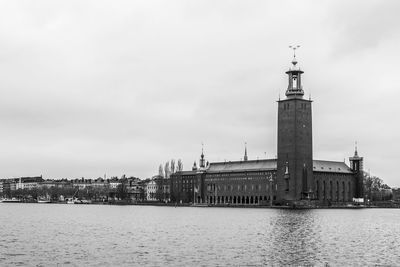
(75, 235)
(297, 237)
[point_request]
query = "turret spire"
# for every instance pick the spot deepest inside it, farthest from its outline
(294, 47)
(355, 150)
(245, 152)
(202, 160)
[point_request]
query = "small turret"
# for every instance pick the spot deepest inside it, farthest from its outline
(194, 168)
(356, 165)
(356, 162)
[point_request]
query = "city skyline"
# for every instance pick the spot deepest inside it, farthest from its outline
(95, 89)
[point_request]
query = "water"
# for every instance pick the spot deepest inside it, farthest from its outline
(96, 235)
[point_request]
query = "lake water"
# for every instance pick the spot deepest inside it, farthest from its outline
(97, 235)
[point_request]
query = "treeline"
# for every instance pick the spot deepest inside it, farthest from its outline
(94, 193)
(169, 168)
(375, 189)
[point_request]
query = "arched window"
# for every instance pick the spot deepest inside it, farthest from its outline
(343, 192)
(350, 192)
(337, 190)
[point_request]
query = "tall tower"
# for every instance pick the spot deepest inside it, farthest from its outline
(295, 159)
(356, 165)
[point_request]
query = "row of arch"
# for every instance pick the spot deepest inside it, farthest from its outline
(334, 190)
(237, 200)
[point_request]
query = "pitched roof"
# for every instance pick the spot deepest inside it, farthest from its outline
(187, 172)
(271, 164)
(330, 166)
(250, 165)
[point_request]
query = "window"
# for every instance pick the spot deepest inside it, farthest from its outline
(294, 81)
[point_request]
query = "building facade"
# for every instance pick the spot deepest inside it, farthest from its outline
(290, 179)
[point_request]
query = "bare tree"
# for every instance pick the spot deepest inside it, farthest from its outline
(179, 165)
(161, 171)
(166, 170)
(172, 166)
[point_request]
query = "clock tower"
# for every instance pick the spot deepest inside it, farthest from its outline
(295, 159)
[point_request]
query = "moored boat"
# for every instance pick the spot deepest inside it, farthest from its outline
(44, 201)
(10, 200)
(70, 200)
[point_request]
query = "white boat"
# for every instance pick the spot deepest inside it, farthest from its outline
(44, 201)
(70, 201)
(82, 201)
(73, 200)
(10, 200)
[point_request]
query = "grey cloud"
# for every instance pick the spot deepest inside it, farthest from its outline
(93, 87)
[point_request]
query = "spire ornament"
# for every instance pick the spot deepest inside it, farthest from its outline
(294, 47)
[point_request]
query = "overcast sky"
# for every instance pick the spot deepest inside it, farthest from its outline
(118, 87)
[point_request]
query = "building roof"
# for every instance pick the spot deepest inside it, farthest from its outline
(187, 172)
(249, 165)
(270, 164)
(330, 166)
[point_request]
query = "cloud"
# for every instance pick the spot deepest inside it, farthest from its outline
(94, 87)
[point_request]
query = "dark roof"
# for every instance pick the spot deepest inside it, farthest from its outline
(187, 172)
(249, 165)
(34, 179)
(330, 166)
(270, 164)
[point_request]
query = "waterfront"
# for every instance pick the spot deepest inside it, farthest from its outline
(76, 235)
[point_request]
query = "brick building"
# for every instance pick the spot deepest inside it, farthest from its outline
(291, 178)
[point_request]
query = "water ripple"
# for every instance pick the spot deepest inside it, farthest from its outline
(74, 235)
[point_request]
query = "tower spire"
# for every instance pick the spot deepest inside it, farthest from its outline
(355, 150)
(294, 47)
(245, 152)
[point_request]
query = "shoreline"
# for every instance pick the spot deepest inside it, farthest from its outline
(217, 206)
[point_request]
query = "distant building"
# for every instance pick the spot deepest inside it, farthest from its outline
(396, 194)
(151, 190)
(290, 179)
(114, 182)
(158, 189)
(27, 183)
(134, 188)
